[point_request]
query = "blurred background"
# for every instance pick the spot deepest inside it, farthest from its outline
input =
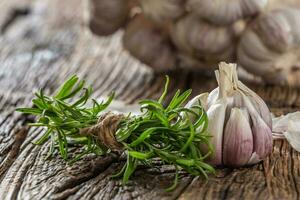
(129, 45)
(45, 41)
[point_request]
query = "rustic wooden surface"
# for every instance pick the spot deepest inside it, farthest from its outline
(44, 41)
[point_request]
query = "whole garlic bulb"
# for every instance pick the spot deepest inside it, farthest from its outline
(270, 47)
(149, 44)
(239, 121)
(161, 11)
(107, 16)
(209, 43)
(224, 12)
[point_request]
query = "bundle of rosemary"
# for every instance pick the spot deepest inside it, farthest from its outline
(160, 131)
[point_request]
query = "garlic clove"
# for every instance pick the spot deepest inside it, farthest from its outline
(275, 21)
(216, 114)
(161, 11)
(258, 103)
(149, 44)
(262, 137)
(179, 36)
(254, 55)
(262, 133)
(107, 16)
(238, 141)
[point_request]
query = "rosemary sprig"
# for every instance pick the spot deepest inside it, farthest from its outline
(64, 117)
(167, 133)
(164, 132)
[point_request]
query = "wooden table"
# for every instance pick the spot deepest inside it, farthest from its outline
(44, 41)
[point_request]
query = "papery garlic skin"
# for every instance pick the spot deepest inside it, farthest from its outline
(239, 121)
(288, 126)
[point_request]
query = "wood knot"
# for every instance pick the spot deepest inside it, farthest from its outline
(105, 130)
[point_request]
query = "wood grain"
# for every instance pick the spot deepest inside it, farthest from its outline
(42, 43)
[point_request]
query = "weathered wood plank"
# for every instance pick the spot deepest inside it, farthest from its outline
(275, 178)
(43, 47)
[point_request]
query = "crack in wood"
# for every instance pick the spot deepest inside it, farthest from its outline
(293, 174)
(82, 173)
(19, 137)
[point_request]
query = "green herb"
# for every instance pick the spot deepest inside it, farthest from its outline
(164, 132)
(64, 117)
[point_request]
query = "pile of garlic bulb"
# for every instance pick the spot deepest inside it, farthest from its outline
(240, 122)
(198, 34)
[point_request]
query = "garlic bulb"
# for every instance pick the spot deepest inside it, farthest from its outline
(149, 44)
(224, 12)
(270, 47)
(161, 11)
(239, 121)
(209, 43)
(198, 34)
(107, 16)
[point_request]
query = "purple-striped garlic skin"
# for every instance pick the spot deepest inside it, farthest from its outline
(237, 139)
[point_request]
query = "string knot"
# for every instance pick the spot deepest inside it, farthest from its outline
(105, 130)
